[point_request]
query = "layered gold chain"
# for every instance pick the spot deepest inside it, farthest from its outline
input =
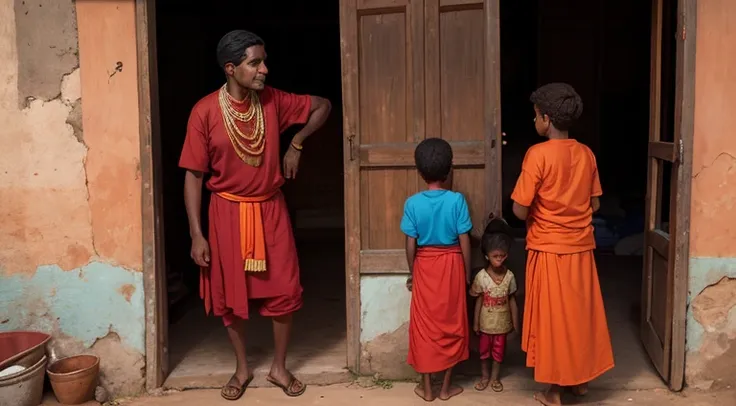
(249, 147)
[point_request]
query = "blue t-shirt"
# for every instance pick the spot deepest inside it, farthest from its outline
(436, 217)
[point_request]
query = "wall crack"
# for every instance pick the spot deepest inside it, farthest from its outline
(704, 167)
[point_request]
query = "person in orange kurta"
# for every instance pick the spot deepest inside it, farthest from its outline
(565, 332)
(436, 223)
(233, 134)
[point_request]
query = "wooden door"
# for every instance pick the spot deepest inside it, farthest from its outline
(413, 69)
(664, 290)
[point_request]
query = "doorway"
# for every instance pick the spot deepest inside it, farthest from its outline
(627, 80)
(303, 45)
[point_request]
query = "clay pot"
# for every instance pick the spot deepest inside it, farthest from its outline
(74, 379)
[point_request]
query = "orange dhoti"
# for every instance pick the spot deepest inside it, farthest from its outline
(438, 323)
(565, 332)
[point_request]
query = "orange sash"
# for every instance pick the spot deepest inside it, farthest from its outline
(252, 240)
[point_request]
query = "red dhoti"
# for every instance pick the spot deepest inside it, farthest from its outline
(270, 273)
(438, 324)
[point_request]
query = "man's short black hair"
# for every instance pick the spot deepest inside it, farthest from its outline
(232, 46)
(433, 158)
(495, 241)
(560, 102)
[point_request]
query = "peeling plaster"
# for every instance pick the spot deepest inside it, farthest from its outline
(707, 345)
(704, 272)
(47, 46)
(384, 302)
(88, 303)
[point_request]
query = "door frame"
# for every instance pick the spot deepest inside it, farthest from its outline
(685, 125)
(154, 265)
(679, 255)
(152, 220)
(154, 262)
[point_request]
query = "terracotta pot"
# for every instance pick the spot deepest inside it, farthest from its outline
(24, 348)
(74, 379)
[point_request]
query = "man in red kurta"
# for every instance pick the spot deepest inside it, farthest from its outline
(233, 134)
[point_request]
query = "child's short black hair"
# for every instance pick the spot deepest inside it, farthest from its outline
(560, 102)
(495, 241)
(433, 158)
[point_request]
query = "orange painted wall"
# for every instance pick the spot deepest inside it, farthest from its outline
(108, 62)
(713, 231)
(711, 323)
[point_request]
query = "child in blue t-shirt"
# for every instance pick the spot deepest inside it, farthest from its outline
(436, 223)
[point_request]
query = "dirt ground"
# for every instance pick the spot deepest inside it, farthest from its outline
(402, 394)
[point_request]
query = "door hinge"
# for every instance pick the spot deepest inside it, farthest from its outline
(684, 27)
(680, 151)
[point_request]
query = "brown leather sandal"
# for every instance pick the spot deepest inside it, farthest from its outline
(289, 389)
(240, 388)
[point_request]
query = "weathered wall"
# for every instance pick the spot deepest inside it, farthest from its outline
(711, 327)
(70, 246)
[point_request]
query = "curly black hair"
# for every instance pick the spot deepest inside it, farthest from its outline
(560, 102)
(232, 46)
(495, 241)
(433, 158)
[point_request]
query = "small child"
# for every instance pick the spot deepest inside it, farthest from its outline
(436, 223)
(496, 311)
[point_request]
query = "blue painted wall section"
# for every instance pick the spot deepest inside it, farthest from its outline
(85, 303)
(384, 305)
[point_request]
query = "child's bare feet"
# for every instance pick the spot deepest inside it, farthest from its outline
(451, 392)
(482, 384)
(424, 393)
(549, 398)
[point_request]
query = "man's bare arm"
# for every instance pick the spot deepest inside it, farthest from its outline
(318, 114)
(193, 201)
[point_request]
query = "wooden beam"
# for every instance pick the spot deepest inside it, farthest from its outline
(466, 154)
(659, 241)
(383, 262)
(685, 131)
(351, 122)
(664, 151)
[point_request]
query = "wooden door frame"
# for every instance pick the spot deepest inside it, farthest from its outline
(154, 267)
(685, 125)
(679, 254)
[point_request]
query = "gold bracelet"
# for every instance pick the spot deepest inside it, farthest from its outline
(296, 146)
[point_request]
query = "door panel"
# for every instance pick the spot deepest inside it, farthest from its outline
(413, 69)
(461, 95)
(666, 226)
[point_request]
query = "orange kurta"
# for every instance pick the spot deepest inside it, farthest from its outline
(565, 331)
(438, 322)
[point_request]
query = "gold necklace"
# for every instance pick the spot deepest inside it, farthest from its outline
(249, 147)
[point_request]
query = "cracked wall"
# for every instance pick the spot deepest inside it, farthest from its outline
(711, 324)
(70, 250)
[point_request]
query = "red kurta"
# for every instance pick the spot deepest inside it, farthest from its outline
(225, 286)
